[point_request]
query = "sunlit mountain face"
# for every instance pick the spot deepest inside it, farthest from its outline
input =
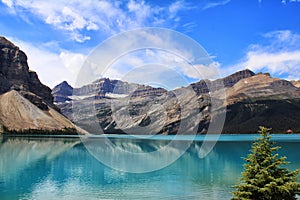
(238, 103)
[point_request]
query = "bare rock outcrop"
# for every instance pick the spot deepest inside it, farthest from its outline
(15, 73)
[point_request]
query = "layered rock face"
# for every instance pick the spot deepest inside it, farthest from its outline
(15, 74)
(251, 100)
(25, 103)
(262, 100)
(101, 94)
(206, 86)
(262, 86)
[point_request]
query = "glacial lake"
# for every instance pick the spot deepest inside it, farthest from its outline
(63, 168)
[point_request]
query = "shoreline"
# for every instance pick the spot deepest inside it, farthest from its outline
(295, 137)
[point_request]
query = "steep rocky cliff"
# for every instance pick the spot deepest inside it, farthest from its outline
(15, 73)
(25, 103)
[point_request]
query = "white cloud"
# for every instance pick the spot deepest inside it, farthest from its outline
(79, 37)
(279, 62)
(210, 71)
(282, 39)
(72, 61)
(175, 7)
(157, 64)
(122, 55)
(9, 3)
(52, 68)
(280, 57)
(215, 3)
(284, 2)
(77, 17)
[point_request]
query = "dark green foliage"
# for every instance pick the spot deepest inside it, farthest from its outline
(264, 177)
(64, 131)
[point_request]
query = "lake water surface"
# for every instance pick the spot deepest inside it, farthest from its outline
(62, 168)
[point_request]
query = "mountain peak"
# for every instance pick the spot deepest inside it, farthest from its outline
(203, 86)
(64, 88)
(241, 74)
(246, 71)
(230, 80)
(62, 91)
(15, 73)
(63, 84)
(6, 43)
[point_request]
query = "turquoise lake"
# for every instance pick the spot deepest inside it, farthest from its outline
(63, 168)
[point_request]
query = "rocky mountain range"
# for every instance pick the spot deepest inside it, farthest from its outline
(26, 105)
(251, 100)
(103, 88)
(243, 101)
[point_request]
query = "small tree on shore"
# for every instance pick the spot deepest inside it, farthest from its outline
(264, 177)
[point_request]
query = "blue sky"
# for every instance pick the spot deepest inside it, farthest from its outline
(262, 35)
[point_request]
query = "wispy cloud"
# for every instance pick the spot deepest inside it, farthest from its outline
(215, 3)
(161, 50)
(281, 56)
(177, 6)
(160, 54)
(79, 18)
(285, 2)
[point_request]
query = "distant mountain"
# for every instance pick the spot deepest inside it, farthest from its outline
(252, 100)
(202, 87)
(62, 92)
(25, 103)
(103, 88)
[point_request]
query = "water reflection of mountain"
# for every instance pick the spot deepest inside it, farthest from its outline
(33, 168)
(25, 161)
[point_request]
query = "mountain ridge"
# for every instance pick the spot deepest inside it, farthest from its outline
(249, 97)
(117, 106)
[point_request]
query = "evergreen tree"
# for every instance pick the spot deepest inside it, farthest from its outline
(264, 176)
